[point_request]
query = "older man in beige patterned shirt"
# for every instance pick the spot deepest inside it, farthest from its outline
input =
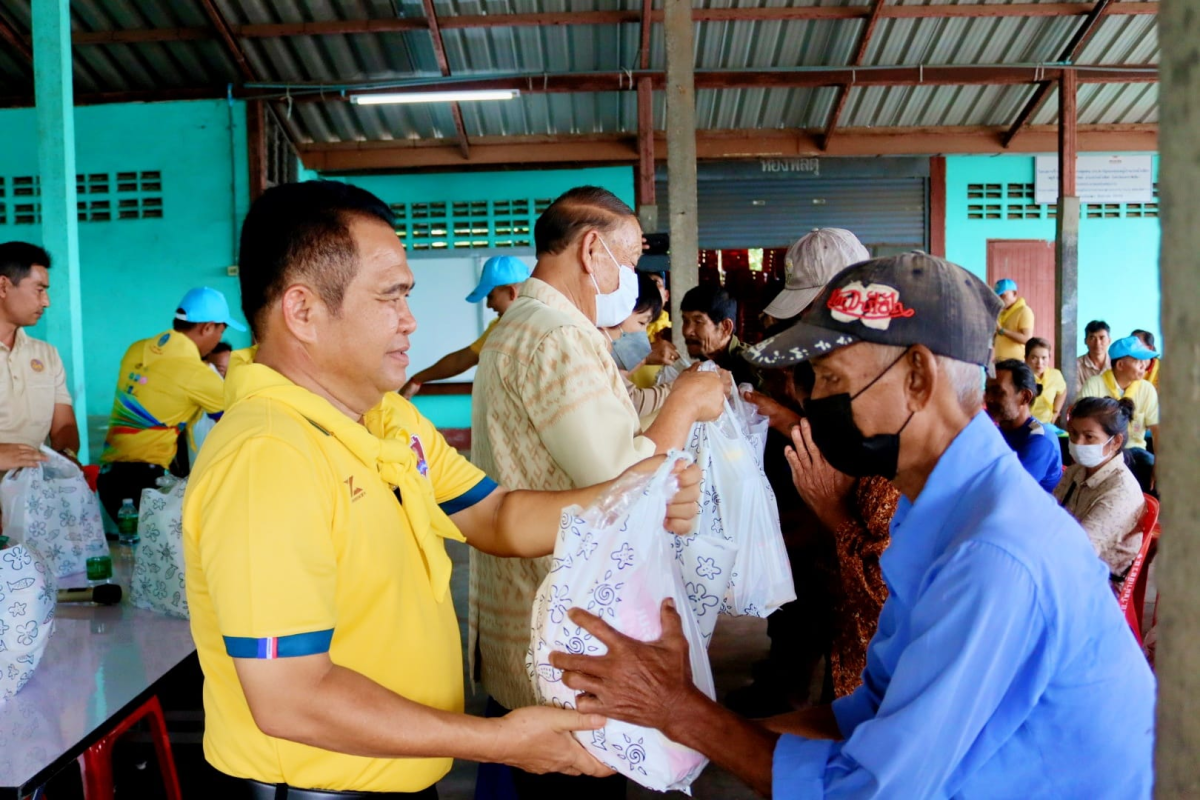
(550, 411)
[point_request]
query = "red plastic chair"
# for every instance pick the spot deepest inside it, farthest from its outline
(1133, 590)
(91, 473)
(96, 761)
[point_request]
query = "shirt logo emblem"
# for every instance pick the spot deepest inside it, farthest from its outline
(356, 492)
(163, 339)
(875, 305)
(36, 365)
(417, 448)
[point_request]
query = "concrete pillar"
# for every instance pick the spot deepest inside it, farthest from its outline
(53, 88)
(1066, 250)
(1177, 761)
(681, 156)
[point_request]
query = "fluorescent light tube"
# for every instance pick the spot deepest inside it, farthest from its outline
(434, 97)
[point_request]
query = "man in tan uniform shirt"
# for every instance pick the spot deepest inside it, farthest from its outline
(34, 402)
(550, 411)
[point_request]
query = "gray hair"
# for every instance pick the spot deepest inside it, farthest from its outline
(965, 378)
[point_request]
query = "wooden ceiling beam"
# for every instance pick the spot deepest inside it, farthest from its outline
(439, 54)
(536, 151)
(399, 25)
(1071, 52)
(864, 41)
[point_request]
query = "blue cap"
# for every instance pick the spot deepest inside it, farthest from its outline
(499, 271)
(1130, 347)
(1005, 285)
(206, 305)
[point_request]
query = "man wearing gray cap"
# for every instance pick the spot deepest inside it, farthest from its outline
(1001, 667)
(809, 264)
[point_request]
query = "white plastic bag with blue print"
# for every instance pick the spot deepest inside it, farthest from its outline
(738, 505)
(158, 559)
(50, 509)
(27, 596)
(617, 561)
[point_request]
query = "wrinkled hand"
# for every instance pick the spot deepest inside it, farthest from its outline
(538, 739)
(14, 456)
(409, 390)
(645, 683)
(685, 505)
(662, 353)
(825, 490)
(781, 418)
(703, 392)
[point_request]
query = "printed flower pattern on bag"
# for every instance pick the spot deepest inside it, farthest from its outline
(559, 604)
(700, 598)
(623, 557)
(632, 753)
(26, 617)
(158, 569)
(605, 596)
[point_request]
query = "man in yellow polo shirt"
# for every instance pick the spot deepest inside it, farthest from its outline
(162, 386)
(314, 527)
(499, 284)
(1015, 324)
(1126, 378)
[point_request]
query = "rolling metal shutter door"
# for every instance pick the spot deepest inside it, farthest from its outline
(885, 213)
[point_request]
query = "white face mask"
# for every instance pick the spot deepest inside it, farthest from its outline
(1088, 455)
(615, 307)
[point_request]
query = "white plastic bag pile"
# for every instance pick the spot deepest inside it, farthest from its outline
(737, 505)
(158, 560)
(27, 596)
(51, 509)
(617, 561)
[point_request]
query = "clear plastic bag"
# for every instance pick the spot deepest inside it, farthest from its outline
(27, 596)
(615, 560)
(755, 424)
(737, 504)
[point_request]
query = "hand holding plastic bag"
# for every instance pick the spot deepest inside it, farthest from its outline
(616, 561)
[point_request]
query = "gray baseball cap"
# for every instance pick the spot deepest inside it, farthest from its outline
(912, 298)
(810, 263)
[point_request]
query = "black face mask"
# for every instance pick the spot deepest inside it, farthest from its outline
(841, 441)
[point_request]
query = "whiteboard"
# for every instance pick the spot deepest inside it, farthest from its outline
(445, 320)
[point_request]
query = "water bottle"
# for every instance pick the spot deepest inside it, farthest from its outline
(127, 523)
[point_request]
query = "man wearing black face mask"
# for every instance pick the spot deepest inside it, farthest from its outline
(1001, 666)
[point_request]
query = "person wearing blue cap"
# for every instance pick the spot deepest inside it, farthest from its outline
(1126, 378)
(499, 285)
(1014, 327)
(163, 385)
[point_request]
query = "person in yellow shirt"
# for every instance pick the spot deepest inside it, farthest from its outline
(1147, 338)
(1126, 378)
(1049, 403)
(498, 285)
(659, 333)
(163, 385)
(314, 530)
(1014, 327)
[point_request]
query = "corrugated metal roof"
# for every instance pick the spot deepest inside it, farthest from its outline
(1123, 39)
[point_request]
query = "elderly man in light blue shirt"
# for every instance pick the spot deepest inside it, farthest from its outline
(1002, 666)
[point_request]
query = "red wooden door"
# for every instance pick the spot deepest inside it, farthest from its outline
(1029, 262)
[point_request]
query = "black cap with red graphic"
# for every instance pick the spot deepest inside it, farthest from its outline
(912, 298)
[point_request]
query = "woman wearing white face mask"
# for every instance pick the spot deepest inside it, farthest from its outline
(1099, 490)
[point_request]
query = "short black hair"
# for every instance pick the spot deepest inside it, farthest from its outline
(573, 212)
(648, 298)
(222, 347)
(1114, 416)
(1095, 326)
(17, 260)
(714, 301)
(1146, 336)
(182, 325)
(302, 229)
(1034, 343)
(1023, 378)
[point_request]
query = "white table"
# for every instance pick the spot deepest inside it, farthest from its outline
(100, 664)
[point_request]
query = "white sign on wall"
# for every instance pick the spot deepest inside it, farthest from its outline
(1098, 179)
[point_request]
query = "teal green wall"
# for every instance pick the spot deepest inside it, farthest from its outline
(1118, 258)
(134, 272)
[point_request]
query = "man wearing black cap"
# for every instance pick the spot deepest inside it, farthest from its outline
(1001, 666)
